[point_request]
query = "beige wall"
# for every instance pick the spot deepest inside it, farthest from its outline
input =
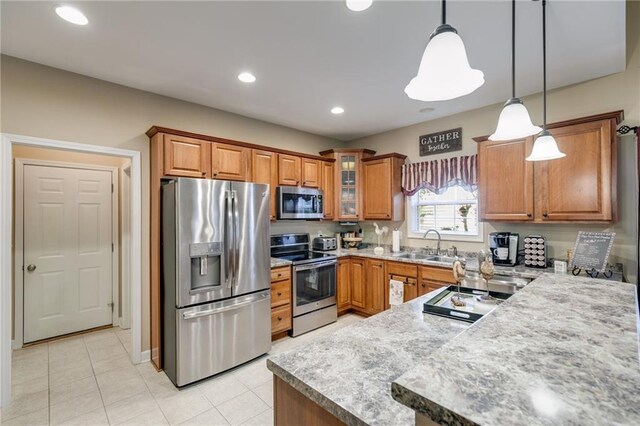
(49, 103)
(619, 91)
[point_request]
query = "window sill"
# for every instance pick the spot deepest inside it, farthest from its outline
(448, 237)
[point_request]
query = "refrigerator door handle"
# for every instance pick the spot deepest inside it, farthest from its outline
(236, 236)
(227, 238)
(198, 314)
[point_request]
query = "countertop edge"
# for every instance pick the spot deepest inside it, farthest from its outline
(318, 398)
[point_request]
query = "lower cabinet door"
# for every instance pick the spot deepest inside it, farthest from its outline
(375, 300)
(358, 278)
(344, 285)
(280, 319)
(410, 289)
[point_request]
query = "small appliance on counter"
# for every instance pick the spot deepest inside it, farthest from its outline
(325, 243)
(503, 247)
(535, 251)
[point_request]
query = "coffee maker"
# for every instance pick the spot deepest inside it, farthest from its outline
(503, 247)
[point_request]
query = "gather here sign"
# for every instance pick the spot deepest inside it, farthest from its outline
(440, 142)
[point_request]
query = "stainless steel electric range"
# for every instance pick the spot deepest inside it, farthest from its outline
(313, 284)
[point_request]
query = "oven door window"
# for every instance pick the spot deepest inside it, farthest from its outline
(315, 284)
(299, 203)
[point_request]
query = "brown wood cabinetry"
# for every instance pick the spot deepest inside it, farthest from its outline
(310, 173)
(382, 193)
(327, 185)
(187, 157)
(288, 170)
(407, 273)
(505, 180)
(281, 313)
(347, 182)
(432, 278)
(375, 286)
(265, 170)
(230, 162)
(580, 187)
(358, 282)
(343, 284)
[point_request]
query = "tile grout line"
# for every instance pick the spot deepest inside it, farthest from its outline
(151, 393)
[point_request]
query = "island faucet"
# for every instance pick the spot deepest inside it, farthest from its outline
(439, 239)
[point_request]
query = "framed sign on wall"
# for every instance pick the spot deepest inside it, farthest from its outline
(441, 142)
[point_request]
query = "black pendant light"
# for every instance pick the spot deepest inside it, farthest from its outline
(545, 146)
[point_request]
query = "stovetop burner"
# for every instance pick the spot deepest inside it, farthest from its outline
(304, 256)
(295, 247)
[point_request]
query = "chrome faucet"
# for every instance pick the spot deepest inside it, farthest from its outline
(439, 239)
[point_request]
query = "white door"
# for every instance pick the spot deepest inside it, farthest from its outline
(67, 250)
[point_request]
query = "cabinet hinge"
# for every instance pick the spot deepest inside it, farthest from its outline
(110, 305)
(112, 188)
(112, 250)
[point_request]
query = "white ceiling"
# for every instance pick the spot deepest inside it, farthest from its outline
(309, 56)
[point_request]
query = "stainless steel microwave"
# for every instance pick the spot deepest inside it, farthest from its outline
(299, 203)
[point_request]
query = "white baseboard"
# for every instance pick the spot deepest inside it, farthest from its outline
(145, 356)
(15, 345)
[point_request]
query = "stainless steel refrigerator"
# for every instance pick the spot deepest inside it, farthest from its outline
(216, 276)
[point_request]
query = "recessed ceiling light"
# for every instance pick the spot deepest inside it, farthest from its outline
(246, 77)
(71, 14)
(359, 5)
(337, 110)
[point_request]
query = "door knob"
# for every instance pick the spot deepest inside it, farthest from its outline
(31, 268)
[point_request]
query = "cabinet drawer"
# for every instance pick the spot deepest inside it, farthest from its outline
(280, 319)
(280, 293)
(404, 269)
(279, 274)
(441, 275)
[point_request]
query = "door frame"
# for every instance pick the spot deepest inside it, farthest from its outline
(6, 264)
(125, 245)
(18, 340)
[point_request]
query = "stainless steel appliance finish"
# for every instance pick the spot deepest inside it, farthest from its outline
(215, 239)
(325, 243)
(314, 282)
(299, 203)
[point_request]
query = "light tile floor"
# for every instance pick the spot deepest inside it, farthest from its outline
(90, 380)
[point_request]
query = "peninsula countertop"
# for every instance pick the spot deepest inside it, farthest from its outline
(349, 372)
(563, 350)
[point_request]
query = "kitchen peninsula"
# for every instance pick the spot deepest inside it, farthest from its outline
(578, 365)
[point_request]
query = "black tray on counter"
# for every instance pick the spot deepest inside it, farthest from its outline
(440, 304)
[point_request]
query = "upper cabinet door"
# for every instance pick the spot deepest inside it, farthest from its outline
(310, 173)
(327, 172)
(349, 200)
(230, 162)
(186, 157)
(265, 170)
(505, 180)
(578, 187)
(377, 189)
(288, 170)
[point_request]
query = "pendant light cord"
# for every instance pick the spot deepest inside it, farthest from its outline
(444, 12)
(544, 63)
(513, 49)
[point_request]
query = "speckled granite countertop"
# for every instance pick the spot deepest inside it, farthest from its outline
(563, 350)
(472, 264)
(275, 262)
(349, 372)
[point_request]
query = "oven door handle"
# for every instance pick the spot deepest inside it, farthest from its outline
(314, 265)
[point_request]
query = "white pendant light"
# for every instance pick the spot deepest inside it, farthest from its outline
(545, 146)
(359, 5)
(444, 71)
(514, 121)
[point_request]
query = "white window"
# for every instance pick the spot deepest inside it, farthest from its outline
(454, 214)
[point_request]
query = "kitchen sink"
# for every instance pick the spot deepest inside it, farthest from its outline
(444, 259)
(414, 256)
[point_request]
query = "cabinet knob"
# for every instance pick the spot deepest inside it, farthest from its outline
(279, 293)
(215, 174)
(204, 173)
(424, 285)
(545, 214)
(529, 215)
(279, 318)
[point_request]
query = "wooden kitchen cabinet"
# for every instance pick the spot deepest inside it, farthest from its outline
(375, 286)
(288, 170)
(187, 157)
(406, 273)
(358, 282)
(327, 185)
(382, 193)
(432, 278)
(505, 180)
(230, 162)
(580, 187)
(264, 169)
(281, 312)
(347, 182)
(310, 173)
(343, 284)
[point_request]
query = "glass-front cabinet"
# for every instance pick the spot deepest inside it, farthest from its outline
(348, 182)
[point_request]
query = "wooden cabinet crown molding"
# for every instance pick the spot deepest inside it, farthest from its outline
(617, 115)
(158, 129)
(365, 152)
(383, 156)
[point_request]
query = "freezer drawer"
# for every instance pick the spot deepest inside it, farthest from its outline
(218, 336)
